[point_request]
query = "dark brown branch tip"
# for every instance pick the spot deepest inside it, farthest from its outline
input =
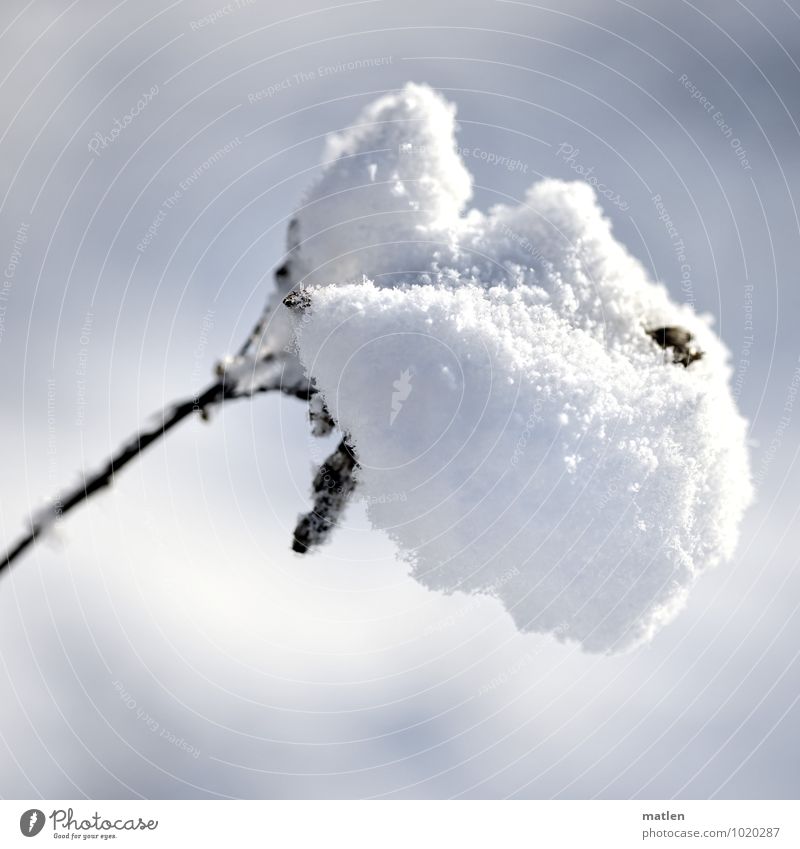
(332, 487)
(680, 341)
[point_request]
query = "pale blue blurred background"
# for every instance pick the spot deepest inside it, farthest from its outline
(168, 644)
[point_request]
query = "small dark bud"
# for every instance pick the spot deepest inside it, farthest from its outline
(679, 340)
(298, 300)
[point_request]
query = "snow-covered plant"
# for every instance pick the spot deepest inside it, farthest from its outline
(524, 411)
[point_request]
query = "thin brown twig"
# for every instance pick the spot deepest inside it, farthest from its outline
(172, 415)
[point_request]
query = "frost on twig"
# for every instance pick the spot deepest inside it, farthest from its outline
(259, 366)
(321, 421)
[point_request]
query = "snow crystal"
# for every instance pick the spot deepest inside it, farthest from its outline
(498, 370)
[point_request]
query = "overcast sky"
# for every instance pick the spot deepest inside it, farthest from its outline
(168, 643)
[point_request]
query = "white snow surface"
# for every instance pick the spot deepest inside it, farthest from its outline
(494, 371)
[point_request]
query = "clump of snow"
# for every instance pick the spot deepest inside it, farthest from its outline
(390, 196)
(496, 369)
